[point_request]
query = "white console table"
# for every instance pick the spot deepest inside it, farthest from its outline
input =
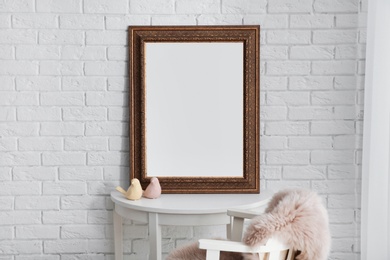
(178, 210)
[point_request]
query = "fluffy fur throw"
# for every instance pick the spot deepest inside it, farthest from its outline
(296, 217)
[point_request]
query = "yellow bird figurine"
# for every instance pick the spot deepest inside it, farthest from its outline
(134, 192)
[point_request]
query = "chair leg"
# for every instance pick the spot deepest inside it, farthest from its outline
(212, 255)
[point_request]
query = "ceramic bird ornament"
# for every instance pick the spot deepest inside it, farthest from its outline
(134, 192)
(153, 191)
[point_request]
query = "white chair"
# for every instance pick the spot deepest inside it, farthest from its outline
(273, 250)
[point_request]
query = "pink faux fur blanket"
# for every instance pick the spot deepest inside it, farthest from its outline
(296, 217)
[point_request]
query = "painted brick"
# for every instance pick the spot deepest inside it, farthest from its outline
(116, 173)
(310, 83)
(271, 172)
(71, 52)
(273, 83)
(286, 6)
(83, 83)
(39, 113)
(333, 98)
(274, 53)
(119, 144)
(7, 114)
(26, 21)
(108, 68)
(65, 68)
(82, 21)
(198, 7)
(304, 172)
(17, 6)
(5, 21)
(64, 217)
(40, 144)
(312, 52)
(311, 113)
(288, 67)
(105, 6)
(85, 144)
(60, 37)
(290, 184)
(5, 174)
(64, 188)
(243, 6)
(205, 19)
(287, 128)
(20, 217)
(122, 22)
(7, 83)
(82, 231)
(107, 158)
(61, 129)
(59, 6)
(345, 82)
(8, 67)
(288, 37)
(288, 157)
(273, 113)
(312, 21)
(6, 203)
(117, 53)
(37, 232)
(80, 173)
(83, 202)
(342, 172)
(332, 157)
(346, 52)
(106, 99)
(334, 36)
(20, 247)
(310, 142)
(38, 83)
(101, 217)
(6, 233)
(184, 19)
(84, 113)
(19, 129)
(288, 98)
(19, 158)
(18, 37)
(268, 21)
(106, 38)
(65, 246)
(347, 20)
(7, 53)
(332, 127)
(118, 114)
(34, 173)
(333, 67)
(62, 99)
(341, 216)
(106, 128)
(63, 158)
(336, 6)
(152, 7)
(18, 98)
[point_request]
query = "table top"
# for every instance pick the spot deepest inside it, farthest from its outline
(193, 203)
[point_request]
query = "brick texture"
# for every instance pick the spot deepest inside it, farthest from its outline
(64, 116)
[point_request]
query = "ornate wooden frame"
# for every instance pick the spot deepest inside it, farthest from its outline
(249, 35)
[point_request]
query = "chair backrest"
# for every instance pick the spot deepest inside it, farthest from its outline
(273, 250)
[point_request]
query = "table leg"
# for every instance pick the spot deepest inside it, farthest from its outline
(154, 237)
(238, 226)
(118, 236)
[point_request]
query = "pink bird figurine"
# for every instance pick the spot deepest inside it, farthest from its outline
(153, 191)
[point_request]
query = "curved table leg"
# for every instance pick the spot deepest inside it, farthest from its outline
(118, 236)
(154, 237)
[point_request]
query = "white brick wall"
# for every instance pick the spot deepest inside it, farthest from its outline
(64, 117)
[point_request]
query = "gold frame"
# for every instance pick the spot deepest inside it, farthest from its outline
(249, 35)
